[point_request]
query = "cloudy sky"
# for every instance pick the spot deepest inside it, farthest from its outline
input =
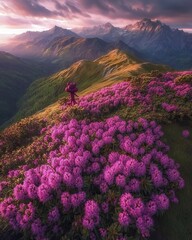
(18, 16)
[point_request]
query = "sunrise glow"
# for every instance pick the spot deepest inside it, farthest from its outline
(34, 15)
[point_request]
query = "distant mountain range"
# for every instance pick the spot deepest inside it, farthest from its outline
(154, 40)
(48, 34)
(62, 47)
(149, 40)
(32, 44)
(106, 32)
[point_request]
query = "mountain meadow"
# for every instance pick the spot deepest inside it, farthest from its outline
(114, 163)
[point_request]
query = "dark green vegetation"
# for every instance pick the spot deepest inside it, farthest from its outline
(90, 76)
(16, 74)
(176, 224)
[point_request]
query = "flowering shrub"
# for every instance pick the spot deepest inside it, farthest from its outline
(184, 77)
(186, 133)
(143, 79)
(93, 176)
(19, 134)
(21, 159)
(101, 180)
(160, 93)
(169, 107)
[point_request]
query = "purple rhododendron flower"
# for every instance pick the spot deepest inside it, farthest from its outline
(53, 215)
(186, 133)
(124, 219)
(44, 192)
(66, 200)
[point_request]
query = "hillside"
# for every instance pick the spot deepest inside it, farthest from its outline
(16, 74)
(32, 44)
(90, 75)
(64, 51)
(111, 166)
(59, 48)
(59, 53)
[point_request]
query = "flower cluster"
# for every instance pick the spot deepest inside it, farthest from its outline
(186, 133)
(13, 173)
(125, 94)
(169, 107)
(91, 217)
(99, 167)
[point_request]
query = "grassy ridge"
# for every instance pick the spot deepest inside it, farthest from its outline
(89, 75)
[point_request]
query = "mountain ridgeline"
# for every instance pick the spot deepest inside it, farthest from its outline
(61, 48)
(64, 51)
(89, 75)
(32, 44)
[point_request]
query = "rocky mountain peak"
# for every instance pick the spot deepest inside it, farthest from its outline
(148, 25)
(108, 25)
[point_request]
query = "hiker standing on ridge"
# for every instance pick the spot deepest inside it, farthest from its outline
(72, 89)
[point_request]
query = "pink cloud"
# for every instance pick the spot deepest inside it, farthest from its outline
(76, 13)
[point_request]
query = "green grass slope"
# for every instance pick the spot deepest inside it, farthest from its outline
(89, 75)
